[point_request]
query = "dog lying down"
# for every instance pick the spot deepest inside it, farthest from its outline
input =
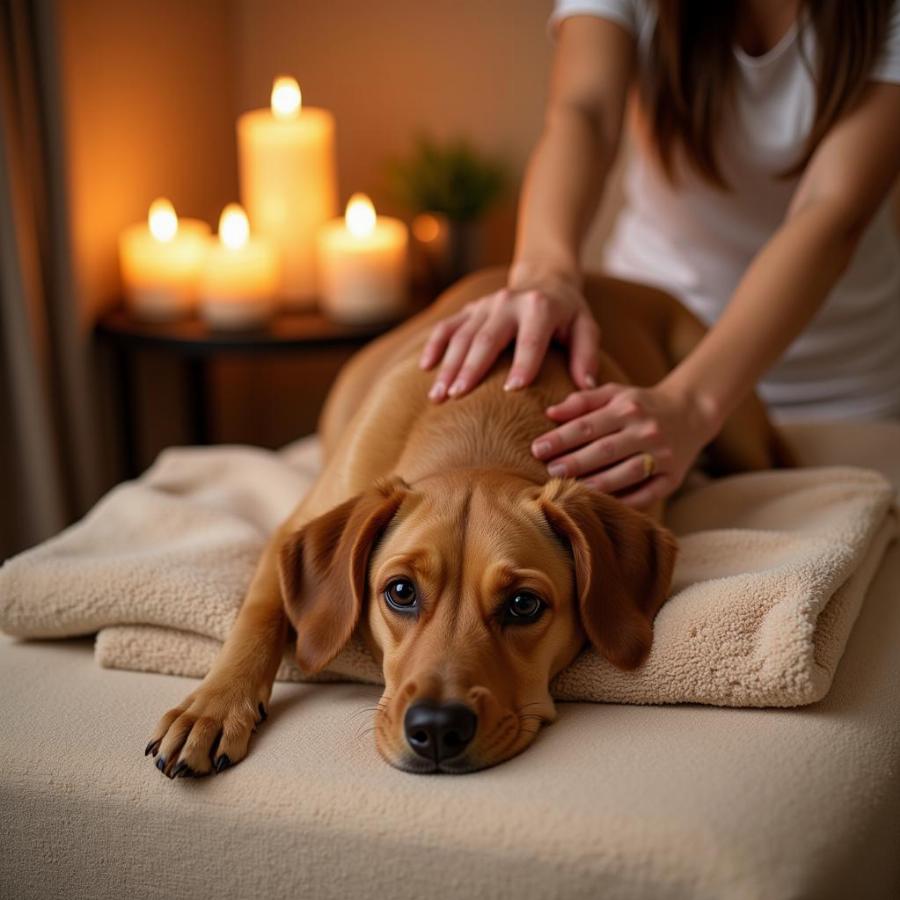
(471, 575)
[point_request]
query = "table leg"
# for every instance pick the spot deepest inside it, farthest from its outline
(126, 400)
(198, 394)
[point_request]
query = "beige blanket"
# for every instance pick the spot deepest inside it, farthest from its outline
(772, 573)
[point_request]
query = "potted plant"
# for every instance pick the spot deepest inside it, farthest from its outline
(450, 187)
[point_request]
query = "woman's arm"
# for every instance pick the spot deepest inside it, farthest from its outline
(847, 179)
(591, 72)
(582, 129)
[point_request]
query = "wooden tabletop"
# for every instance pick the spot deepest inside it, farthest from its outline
(283, 332)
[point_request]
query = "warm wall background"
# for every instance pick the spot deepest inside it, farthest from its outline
(152, 89)
(147, 103)
(391, 69)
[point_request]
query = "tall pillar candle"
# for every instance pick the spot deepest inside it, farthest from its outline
(288, 183)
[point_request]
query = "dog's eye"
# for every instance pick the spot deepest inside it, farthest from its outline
(523, 607)
(401, 594)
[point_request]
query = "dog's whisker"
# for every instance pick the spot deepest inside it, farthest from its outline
(359, 712)
(378, 708)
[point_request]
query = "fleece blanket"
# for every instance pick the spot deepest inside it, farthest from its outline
(771, 575)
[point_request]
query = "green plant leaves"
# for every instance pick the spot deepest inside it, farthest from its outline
(452, 178)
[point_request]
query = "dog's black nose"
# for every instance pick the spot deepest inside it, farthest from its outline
(439, 731)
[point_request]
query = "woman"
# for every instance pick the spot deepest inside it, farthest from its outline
(767, 139)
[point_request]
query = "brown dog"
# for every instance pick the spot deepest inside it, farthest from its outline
(472, 577)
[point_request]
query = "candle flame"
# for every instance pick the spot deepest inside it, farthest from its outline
(286, 97)
(162, 220)
(234, 229)
(360, 216)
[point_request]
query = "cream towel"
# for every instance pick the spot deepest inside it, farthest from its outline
(772, 573)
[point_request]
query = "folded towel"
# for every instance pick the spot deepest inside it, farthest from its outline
(772, 572)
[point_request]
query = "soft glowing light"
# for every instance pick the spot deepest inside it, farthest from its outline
(286, 97)
(426, 228)
(162, 220)
(360, 216)
(234, 229)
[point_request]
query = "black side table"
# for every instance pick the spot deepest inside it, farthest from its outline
(195, 345)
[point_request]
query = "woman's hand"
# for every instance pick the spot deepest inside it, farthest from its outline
(636, 443)
(532, 310)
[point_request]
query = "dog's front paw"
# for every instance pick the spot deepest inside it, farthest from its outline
(209, 730)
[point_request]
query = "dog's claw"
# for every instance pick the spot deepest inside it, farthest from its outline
(222, 763)
(182, 769)
(152, 747)
(161, 765)
(263, 715)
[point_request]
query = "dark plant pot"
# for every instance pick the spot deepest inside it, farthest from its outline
(444, 251)
(465, 249)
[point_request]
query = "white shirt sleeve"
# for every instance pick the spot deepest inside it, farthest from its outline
(887, 67)
(622, 12)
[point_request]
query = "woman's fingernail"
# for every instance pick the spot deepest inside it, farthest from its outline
(590, 381)
(541, 448)
(456, 389)
(513, 383)
(438, 391)
(557, 470)
(423, 362)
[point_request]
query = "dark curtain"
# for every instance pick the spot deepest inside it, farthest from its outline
(48, 467)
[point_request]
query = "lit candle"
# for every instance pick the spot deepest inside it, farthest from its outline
(362, 264)
(288, 182)
(161, 263)
(240, 278)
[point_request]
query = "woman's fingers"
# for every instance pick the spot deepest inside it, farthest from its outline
(535, 330)
(455, 354)
(487, 344)
(596, 455)
(653, 489)
(583, 351)
(626, 474)
(467, 344)
(578, 403)
(577, 432)
(439, 338)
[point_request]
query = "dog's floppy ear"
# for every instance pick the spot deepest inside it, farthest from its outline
(323, 569)
(623, 567)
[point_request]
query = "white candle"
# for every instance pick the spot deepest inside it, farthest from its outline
(363, 265)
(288, 182)
(241, 275)
(161, 262)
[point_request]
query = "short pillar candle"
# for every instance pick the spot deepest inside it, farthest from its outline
(363, 268)
(161, 263)
(240, 279)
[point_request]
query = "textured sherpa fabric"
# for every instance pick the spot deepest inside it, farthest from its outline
(772, 572)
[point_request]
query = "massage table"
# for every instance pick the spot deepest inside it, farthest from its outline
(611, 801)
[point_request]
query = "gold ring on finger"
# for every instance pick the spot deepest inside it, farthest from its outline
(649, 462)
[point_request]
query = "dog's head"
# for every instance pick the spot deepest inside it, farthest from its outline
(473, 590)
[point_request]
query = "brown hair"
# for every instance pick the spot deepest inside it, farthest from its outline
(688, 81)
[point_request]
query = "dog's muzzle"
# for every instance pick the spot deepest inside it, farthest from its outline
(439, 731)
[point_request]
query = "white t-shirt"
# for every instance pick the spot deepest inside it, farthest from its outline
(696, 240)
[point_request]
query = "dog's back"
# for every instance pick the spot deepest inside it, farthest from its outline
(378, 419)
